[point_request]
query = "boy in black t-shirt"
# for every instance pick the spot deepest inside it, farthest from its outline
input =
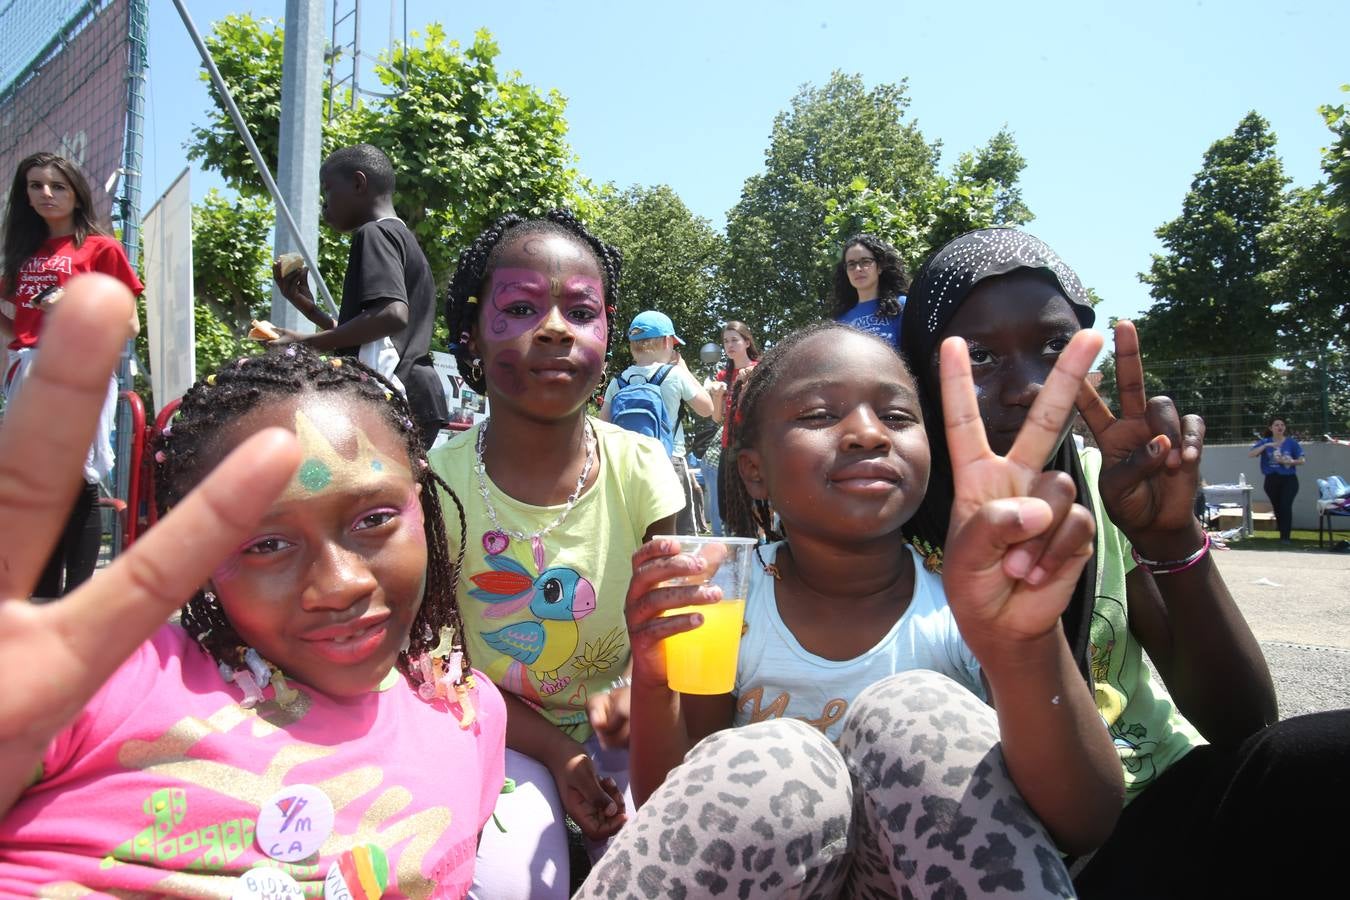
(388, 296)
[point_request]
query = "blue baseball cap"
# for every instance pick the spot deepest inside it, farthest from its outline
(652, 324)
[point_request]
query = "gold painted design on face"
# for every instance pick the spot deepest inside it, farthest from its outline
(324, 468)
(555, 286)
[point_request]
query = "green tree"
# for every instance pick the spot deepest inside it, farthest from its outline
(981, 191)
(841, 159)
(248, 53)
(1310, 282)
(1309, 277)
(999, 163)
(670, 263)
(231, 274)
(833, 143)
(468, 142)
(1210, 305)
(1336, 163)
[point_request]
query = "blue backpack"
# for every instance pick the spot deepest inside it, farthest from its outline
(638, 407)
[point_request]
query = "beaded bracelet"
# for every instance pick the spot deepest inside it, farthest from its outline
(1176, 565)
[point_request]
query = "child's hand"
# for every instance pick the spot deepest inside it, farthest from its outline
(54, 657)
(1150, 456)
(654, 563)
(286, 336)
(594, 803)
(1017, 540)
(293, 286)
(608, 713)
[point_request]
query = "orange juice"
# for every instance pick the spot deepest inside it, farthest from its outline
(703, 661)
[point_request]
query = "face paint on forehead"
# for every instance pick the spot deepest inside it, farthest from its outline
(325, 469)
(562, 250)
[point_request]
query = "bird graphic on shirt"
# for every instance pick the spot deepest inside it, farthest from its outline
(557, 597)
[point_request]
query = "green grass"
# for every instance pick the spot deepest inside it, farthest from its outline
(1301, 540)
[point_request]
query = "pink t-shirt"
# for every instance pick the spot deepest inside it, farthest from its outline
(156, 787)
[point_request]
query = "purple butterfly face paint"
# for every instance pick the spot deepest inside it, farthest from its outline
(520, 299)
(542, 330)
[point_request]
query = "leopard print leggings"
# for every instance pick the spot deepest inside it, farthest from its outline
(915, 801)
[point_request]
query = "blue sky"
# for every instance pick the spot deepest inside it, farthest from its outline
(1112, 104)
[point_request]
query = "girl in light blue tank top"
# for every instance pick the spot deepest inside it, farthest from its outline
(849, 636)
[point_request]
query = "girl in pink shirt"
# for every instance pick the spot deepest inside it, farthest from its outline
(313, 723)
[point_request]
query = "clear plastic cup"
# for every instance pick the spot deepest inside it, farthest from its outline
(703, 661)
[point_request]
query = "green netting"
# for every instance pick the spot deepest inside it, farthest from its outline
(69, 93)
(28, 29)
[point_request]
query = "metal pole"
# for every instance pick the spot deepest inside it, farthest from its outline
(1324, 408)
(301, 139)
(129, 211)
(282, 209)
(356, 50)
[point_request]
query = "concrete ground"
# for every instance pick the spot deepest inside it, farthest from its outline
(1298, 605)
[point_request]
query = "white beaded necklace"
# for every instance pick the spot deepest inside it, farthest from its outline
(481, 471)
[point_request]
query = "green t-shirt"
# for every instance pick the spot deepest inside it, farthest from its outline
(1149, 732)
(545, 619)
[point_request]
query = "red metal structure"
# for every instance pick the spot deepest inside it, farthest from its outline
(119, 506)
(148, 477)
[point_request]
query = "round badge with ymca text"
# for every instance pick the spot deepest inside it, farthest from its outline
(294, 823)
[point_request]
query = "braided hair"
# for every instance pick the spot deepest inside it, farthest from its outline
(745, 516)
(892, 279)
(187, 450)
(478, 260)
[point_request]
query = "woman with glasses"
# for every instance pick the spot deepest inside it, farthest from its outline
(869, 287)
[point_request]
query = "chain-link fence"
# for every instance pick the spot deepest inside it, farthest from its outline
(63, 89)
(1238, 395)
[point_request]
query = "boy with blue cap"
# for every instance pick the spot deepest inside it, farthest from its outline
(646, 396)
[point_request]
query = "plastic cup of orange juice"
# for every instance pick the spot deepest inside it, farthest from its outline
(703, 661)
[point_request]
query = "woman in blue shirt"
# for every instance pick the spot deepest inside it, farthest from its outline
(1280, 455)
(869, 287)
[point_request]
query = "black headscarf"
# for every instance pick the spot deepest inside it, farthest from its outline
(940, 287)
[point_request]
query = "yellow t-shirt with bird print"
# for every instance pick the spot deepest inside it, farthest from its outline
(544, 617)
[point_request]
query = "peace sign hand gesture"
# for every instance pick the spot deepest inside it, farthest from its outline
(1017, 541)
(1150, 457)
(54, 657)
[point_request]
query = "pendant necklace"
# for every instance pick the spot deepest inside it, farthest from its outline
(481, 470)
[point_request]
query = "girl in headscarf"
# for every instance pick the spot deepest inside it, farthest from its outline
(1152, 586)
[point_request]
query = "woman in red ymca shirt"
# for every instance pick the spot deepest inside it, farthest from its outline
(50, 236)
(738, 343)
